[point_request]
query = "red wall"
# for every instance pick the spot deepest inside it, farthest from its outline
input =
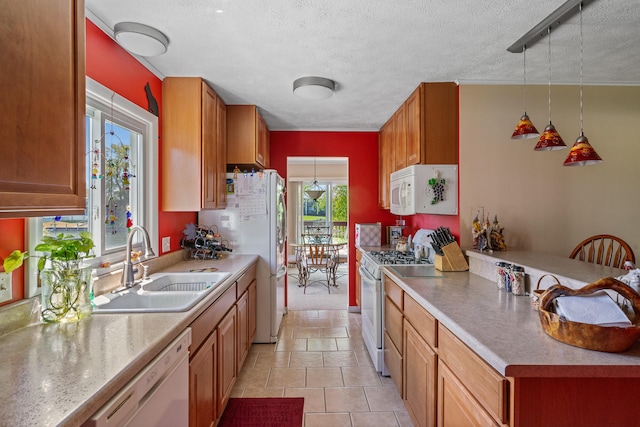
(362, 150)
(113, 67)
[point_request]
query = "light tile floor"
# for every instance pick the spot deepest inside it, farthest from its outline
(320, 355)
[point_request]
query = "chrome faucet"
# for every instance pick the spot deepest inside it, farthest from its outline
(128, 271)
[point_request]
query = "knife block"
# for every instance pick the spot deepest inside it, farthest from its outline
(452, 260)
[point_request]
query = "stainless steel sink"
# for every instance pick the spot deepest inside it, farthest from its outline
(162, 292)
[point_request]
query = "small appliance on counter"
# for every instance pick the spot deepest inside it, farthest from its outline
(394, 234)
(369, 234)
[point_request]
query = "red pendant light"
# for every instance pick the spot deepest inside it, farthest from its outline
(550, 138)
(525, 128)
(582, 153)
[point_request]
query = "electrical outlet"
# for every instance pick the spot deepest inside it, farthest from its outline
(166, 244)
(5, 286)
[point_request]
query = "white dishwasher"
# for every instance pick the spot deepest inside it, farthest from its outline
(157, 396)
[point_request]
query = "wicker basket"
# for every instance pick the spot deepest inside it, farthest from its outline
(536, 293)
(593, 337)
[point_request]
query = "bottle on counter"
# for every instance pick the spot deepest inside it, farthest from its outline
(507, 277)
(500, 274)
(517, 280)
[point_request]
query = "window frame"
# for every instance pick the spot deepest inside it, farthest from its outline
(99, 96)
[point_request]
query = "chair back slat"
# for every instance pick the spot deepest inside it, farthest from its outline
(604, 249)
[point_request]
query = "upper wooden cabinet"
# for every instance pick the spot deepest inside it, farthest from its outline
(438, 125)
(247, 138)
(193, 146)
(42, 130)
(386, 163)
(400, 138)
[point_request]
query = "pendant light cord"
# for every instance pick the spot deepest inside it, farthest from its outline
(524, 67)
(581, 43)
(549, 37)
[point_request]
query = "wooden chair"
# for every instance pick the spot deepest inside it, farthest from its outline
(604, 249)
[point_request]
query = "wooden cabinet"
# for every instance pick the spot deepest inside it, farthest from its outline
(393, 332)
(221, 156)
(42, 125)
(247, 138)
(220, 341)
(227, 358)
(439, 103)
(414, 119)
(386, 164)
(253, 305)
(243, 328)
(478, 392)
(193, 145)
(246, 305)
(420, 376)
(456, 406)
(203, 368)
(358, 281)
(400, 138)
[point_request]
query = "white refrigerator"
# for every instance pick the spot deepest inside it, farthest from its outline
(254, 222)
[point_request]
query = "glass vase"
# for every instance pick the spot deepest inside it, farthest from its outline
(66, 293)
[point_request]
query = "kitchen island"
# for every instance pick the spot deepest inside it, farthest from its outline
(61, 374)
(538, 380)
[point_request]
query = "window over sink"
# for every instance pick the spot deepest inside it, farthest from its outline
(122, 176)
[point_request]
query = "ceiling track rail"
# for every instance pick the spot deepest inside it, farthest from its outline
(555, 19)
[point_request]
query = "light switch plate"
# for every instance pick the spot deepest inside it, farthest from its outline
(5, 287)
(166, 244)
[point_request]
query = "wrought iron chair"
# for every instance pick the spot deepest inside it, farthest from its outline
(604, 249)
(317, 254)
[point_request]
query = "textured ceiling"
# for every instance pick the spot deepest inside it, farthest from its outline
(377, 51)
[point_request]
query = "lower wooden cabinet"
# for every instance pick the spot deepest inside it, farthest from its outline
(488, 388)
(420, 371)
(456, 406)
(203, 410)
(243, 327)
(253, 306)
(227, 359)
(221, 338)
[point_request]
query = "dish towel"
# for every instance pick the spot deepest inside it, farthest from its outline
(596, 309)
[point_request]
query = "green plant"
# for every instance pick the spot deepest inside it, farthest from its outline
(65, 283)
(63, 251)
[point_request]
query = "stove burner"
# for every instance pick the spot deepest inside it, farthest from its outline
(397, 257)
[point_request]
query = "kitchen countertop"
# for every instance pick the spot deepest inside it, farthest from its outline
(505, 330)
(61, 374)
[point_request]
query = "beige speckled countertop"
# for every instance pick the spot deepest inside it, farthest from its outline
(61, 374)
(505, 330)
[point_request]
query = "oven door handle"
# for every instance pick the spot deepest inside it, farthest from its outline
(364, 274)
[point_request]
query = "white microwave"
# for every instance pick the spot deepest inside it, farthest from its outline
(425, 189)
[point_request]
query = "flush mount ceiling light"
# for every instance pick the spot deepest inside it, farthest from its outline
(140, 39)
(312, 87)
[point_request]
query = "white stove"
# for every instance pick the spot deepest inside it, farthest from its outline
(372, 296)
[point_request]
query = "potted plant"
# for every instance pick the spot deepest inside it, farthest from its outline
(65, 280)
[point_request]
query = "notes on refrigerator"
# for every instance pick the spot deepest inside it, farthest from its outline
(250, 196)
